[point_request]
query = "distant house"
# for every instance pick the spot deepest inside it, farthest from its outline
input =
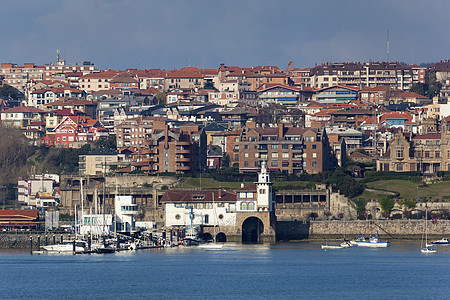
(74, 131)
(20, 116)
(336, 94)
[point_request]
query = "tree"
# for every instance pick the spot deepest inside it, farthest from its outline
(209, 85)
(106, 142)
(434, 86)
(431, 87)
(419, 88)
(7, 91)
(225, 161)
(161, 96)
(386, 206)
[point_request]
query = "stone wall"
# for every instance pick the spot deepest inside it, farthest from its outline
(22, 240)
(385, 228)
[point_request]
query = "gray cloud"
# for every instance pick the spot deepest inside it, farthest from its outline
(168, 34)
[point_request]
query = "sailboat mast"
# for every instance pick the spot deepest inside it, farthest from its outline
(82, 205)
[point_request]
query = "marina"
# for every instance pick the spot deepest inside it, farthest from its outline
(275, 271)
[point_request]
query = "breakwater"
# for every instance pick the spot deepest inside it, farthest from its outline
(22, 240)
(392, 229)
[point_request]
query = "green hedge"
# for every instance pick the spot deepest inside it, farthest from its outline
(370, 176)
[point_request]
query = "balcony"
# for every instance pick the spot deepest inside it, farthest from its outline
(183, 159)
(183, 143)
(183, 168)
(182, 151)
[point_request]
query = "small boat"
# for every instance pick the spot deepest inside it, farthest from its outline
(211, 246)
(373, 242)
(443, 241)
(428, 249)
(332, 247)
(66, 247)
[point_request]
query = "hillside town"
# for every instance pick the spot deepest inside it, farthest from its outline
(264, 124)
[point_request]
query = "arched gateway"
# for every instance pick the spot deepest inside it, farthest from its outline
(251, 230)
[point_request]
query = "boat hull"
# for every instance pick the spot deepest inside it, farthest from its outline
(372, 245)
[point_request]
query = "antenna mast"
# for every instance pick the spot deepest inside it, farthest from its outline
(388, 45)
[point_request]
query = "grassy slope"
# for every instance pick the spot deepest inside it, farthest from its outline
(408, 189)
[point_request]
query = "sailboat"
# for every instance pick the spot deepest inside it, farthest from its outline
(428, 248)
(213, 244)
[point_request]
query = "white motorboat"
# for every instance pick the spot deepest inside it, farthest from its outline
(211, 246)
(66, 247)
(443, 241)
(331, 246)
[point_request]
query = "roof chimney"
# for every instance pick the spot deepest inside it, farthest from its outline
(242, 185)
(220, 194)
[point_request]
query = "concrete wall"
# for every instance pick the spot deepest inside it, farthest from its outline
(385, 228)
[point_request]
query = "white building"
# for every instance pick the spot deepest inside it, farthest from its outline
(125, 212)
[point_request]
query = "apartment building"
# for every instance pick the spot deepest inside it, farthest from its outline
(95, 82)
(291, 150)
(18, 76)
(159, 148)
(371, 74)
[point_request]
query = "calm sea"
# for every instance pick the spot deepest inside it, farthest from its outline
(280, 271)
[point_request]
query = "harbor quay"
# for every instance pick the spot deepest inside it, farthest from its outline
(283, 231)
(337, 229)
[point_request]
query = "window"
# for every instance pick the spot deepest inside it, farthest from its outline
(236, 157)
(236, 139)
(314, 155)
(285, 155)
(274, 147)
(262, 191)
(242, 195)
(246, 164)
(399, 153)
(243, 206)
(256, 164)
(256, 155)
(274, 164)
(246, 154)
(437, 154)
(245, 146)
(251, 206)
(206, 219)
(285, 147)
(274, 154)
(314, 164)
(399, 167)
(249, 195)
(314, 147)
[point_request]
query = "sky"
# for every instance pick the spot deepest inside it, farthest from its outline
(168, 34)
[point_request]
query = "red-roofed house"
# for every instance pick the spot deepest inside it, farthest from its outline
(75, 131)
(409, 97)
(96, 81)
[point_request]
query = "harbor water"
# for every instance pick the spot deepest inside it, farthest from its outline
(278, 271)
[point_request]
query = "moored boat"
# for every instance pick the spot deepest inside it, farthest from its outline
(373, 242)
(66, 247)
(443, 241)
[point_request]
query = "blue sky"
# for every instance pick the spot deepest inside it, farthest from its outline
(170, 34)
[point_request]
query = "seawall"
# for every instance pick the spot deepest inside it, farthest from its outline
(392, 229)
(22, 240)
